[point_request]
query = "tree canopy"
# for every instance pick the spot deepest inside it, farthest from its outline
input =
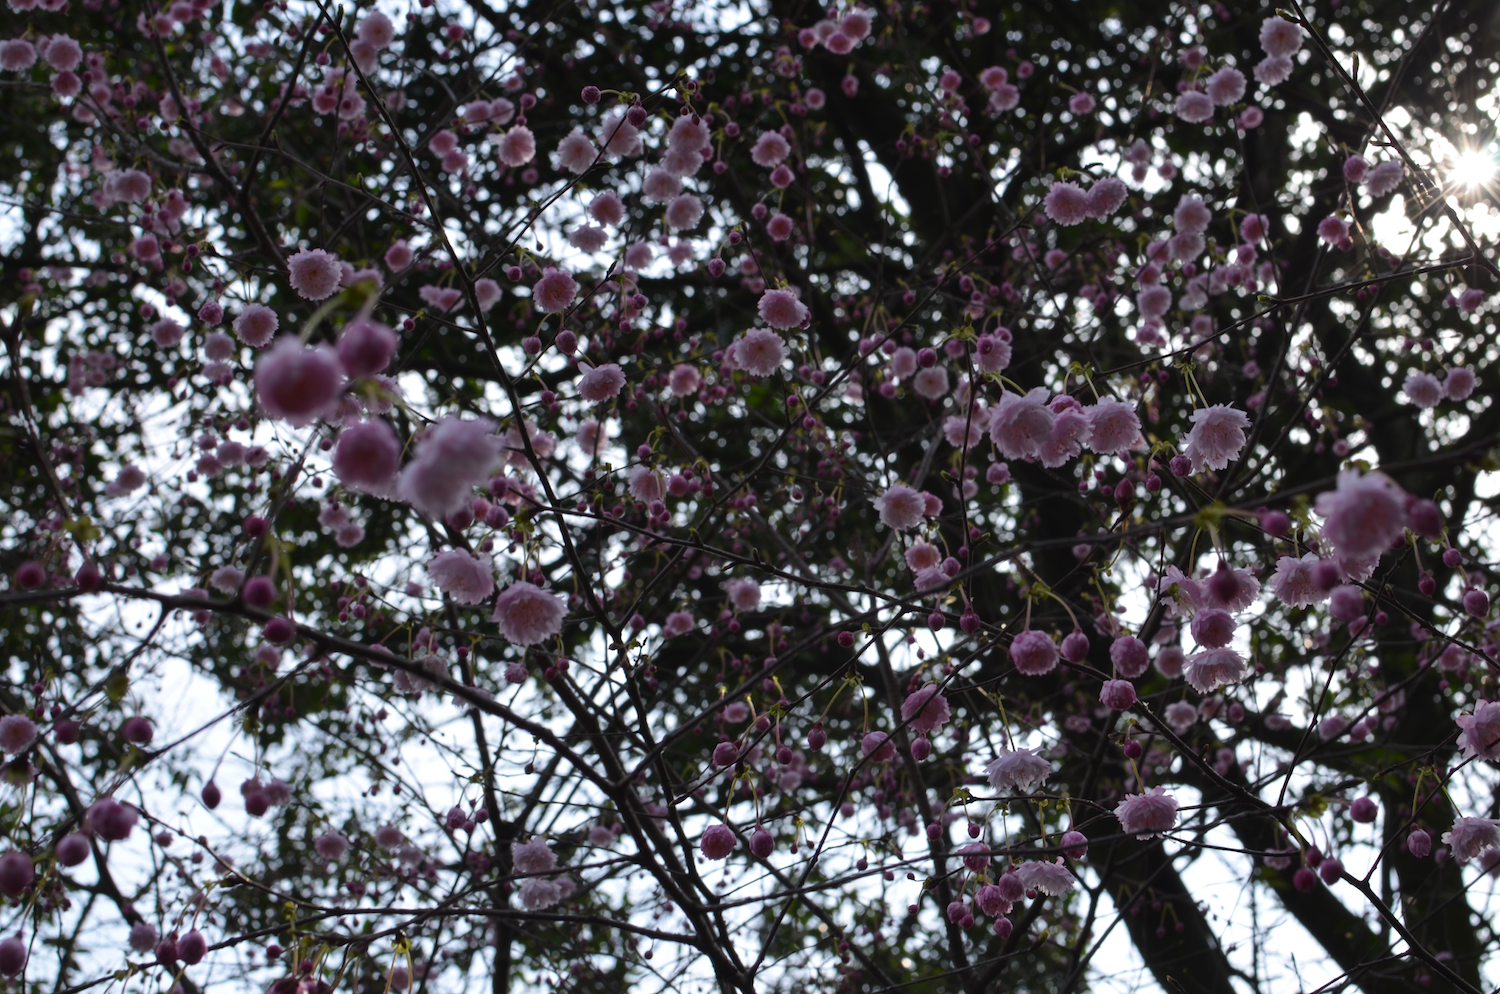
(748, 497)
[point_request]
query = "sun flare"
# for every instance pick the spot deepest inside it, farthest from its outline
(1473, 169)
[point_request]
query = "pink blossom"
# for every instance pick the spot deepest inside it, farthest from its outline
(376, 30)
(1280, 37)
(554, 291)
(1066, 203)
(601, 383)
(780, 227)
(684, 380)
(1154, 301)
(1363, 515)
(993, 77)
(1147, 815)
(1230, 589)
(1081, 103)
(1052, 879)
(1006, 96)
(532, 857)
(62, 53)
(1333, 230)
(660, 186)
(644, 484)
(743, 593)
(537, 893)
(761, 352)
(17, 54)
(1129, 656)
(487, 292)
(619, 137)
(1459, 383)
(331, 845)
(528, 614)
(770, 149)
(256, 325)
(856, 24)
(1356, 169)
(901, 508)
(297, 384)
(576, 153)
(167, 333)
(903, 362)
(1194, 107)
(718, 841)
(931, 383)
(1117, 695)
(1021, 424)
(128, 185)
(1385, 177)
(1471, 836)
(1273, 69)
(452, 458)
(1479, 733)
(925, 709)
(1216, 438)
(516, 146)
(1470, 300)
(781, 309)
(17, 732)
(688, 133)
(1181, 716)
(966, 430)
(1211, 669)
(1034, 653)
(588, 238)
(1114, 426)
(607, 208)
(368, 457)
(1293, 584)
(315, 274)
(1213, 629)
(1106, 197)
(1227, 86)
(1181, 594)
(677, 623)
(922, 555)
(365, 348)
(1022, 769)
(1191, 216)
(684, 212)
(1422, 389)
(992, 352)
(1071, 431)
(466, 578)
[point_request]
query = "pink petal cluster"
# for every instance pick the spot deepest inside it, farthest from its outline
(453, 458)
(1021, 769)
(761, 352)
(1147, 815)
(527, 614)
(901, 507)
(1216, 438)
(782, 310)
(1479, 733)
(1211, 669)
(1363, 515)
(1471, 836)
(926, 709)
(368, 457)
(1034, 653)
(601, 382)
(463, 576)
(298, 384)
(315, 274)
